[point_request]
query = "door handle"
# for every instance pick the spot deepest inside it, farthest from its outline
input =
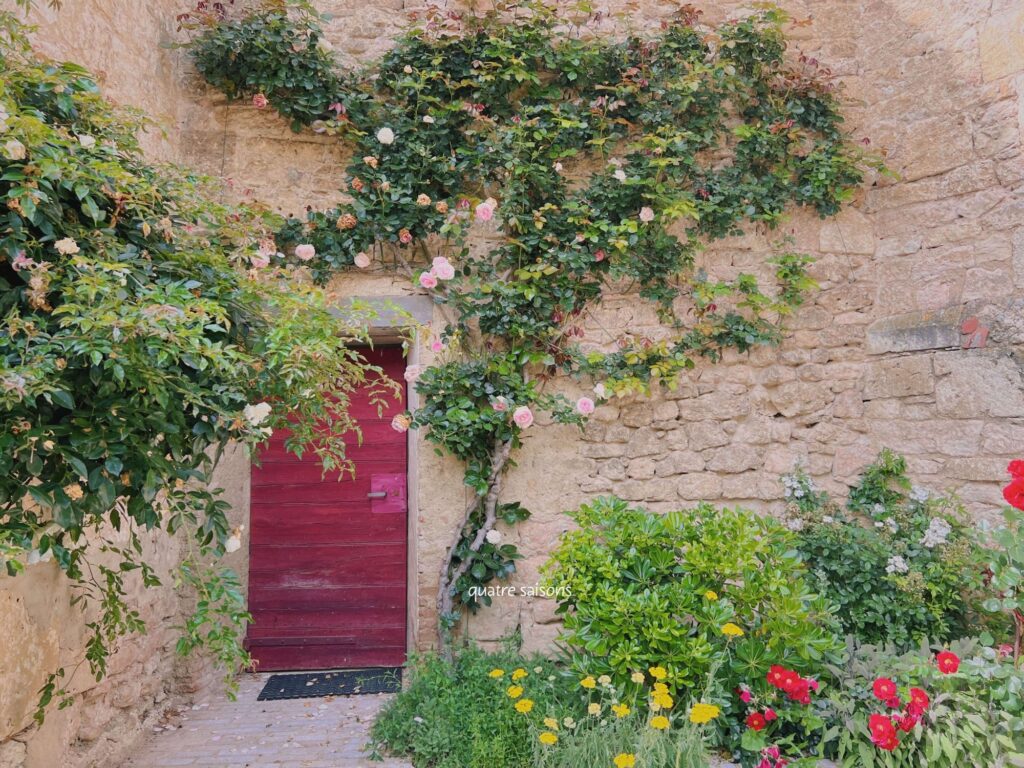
(377, 495)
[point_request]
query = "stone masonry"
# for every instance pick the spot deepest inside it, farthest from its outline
(915, 340)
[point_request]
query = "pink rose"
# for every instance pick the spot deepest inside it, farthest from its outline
(412, 373)
(305, 252)
(585, 406)
(428, 280)
(401, 423)
(599, 254)
(436, 345)
(443, 269)
(485, 210)
(361, 260)
(21, 261)
(646, 214)
(522, 416)
(500, 404)
(404, 236)
(260, 101)
(260, 260)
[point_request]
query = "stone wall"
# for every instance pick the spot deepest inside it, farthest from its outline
(914, 341)
(124, 43)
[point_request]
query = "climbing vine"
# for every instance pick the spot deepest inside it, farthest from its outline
(595, 164)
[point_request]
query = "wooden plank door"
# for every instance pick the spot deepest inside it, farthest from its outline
(327, 557)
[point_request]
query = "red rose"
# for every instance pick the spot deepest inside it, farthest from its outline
(756, 721)
(1016, 469)
(907, 723)
(948, 662)
(883, 732)
(884, 689)
(1014, 493)
(919, 700)
(776, 675)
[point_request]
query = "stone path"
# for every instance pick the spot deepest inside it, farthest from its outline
(297, 733)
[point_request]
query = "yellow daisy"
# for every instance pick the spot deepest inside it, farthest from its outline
(548, 738)
(625, 760)
(711, 595)
(514, 691)
(497, 673)
(550, 723)
(588, 682)
(519, 674)
(620, 710)
(524, 705)
(658, 673)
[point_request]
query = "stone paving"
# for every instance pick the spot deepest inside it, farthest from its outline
(298, 733)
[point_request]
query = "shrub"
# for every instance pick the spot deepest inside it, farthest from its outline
(901, 563)
(972, 714)
(714, 596)
(456, 715)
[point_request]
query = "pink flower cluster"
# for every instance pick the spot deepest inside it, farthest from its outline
(440, 269)
(771, 757)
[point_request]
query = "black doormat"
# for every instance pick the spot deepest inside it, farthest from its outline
(339, 682)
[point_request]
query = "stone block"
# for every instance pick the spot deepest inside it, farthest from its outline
(735, 458)
(899, 377)
(699, 486)
(12, 754)
(914, 331)
(849, 232)
(1002, 44)
(679, 462)
(975, 384)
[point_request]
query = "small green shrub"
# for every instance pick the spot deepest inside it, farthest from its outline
(973, 716)
(704, 593)
(455, 715)
(901, 563)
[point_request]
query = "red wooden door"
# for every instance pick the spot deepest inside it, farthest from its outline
(327, 557)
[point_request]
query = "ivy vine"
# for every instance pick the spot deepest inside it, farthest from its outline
(600, 164)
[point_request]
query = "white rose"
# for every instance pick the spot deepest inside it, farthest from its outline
(386, 136)
(256, 414)
(15, 150)
(87, 141)
(493, 536)
(233, 544)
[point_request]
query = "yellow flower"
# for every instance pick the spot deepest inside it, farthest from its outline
(550, 723)
(514, 691)
(663, 700)
(711, 595)
(496, 673)
(731, 630)
(660, 722)
(594, 709)
(620, 710)
(519, 674)
(655, 706)
(637, 677)
(658, 673)
(525, 705)
(701, 713)
(660, 688)
(548, 738)
(625, 760)
(588, 682)
(604, 680)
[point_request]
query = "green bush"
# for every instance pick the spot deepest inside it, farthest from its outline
(638, 589)
(901, 563)
(973, 718)
(456, 715)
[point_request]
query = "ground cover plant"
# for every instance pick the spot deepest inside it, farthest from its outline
(601, 164)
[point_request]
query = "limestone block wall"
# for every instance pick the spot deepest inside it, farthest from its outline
(915, 340)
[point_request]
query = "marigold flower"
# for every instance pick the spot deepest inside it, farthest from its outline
(658, 673)
(711, 595)
(620, 710)
(519, 674)
(659, 722)
(588, 682)
(547, 737)
(625, 760)
(701, 713)
(732, 630)
(496, 673)
(514, 691)
(663, 700)
(524, 705)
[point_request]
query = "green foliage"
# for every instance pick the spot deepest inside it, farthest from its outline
(606, 163)
(901, 566)
(1006, 569)
(974, 717)
(454, 715)
(639, 589)
(135, 344)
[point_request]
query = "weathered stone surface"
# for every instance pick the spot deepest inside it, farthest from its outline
(900, 377)
(938, 329)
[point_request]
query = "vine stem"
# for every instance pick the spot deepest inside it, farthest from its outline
(449, 577)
